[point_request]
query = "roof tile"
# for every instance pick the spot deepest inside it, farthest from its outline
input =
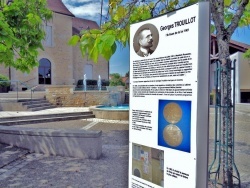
(235, 44)
(58, 7)
(83, 24)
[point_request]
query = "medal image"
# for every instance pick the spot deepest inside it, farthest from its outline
(172, 112)
(174, 124)
(172, 133)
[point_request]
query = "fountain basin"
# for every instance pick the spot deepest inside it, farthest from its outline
(120, 112)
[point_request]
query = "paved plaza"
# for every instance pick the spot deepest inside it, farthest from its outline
(19, 168)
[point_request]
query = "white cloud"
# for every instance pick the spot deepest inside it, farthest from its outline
(89, 9)
(86, 10)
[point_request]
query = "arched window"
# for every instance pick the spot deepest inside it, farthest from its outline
(44, 71)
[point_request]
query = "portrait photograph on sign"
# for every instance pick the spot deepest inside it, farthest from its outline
(174, 124)
(146, 40)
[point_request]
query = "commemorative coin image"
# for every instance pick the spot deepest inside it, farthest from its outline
(172, 112)
(172, 135)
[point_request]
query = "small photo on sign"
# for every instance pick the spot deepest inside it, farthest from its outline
(174, 124)
(148, 163)
(146, 40)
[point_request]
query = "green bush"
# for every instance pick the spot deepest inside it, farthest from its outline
(4, 78)
(116, 80)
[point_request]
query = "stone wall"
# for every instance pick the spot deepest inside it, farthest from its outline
(64, 95)
(11, 105)
(69, 143)
(79, 63)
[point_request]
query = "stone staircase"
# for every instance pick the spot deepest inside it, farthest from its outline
(43, 118)
(36, 104)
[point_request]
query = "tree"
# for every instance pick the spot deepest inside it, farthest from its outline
(127, 74)
(247, 54)
(116, 80)
(226, 16)
(21, 32)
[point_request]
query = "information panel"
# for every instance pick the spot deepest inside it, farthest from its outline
(169, 80)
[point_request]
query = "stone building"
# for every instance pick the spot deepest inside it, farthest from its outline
(59, 63)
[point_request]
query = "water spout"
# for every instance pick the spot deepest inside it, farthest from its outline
(84, 82)
(99, 83)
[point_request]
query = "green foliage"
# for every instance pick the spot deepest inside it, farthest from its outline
(245, 19)
(74, 40)
(103, 42)
(21, 32)
(5, 80)
(116, 30)
(116, 80)
(247, 54)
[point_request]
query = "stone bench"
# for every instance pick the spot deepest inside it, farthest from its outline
(63, 142)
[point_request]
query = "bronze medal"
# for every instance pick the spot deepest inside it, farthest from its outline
(172, 112)
(172, 135)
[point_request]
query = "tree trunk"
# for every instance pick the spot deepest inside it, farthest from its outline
(226, 111)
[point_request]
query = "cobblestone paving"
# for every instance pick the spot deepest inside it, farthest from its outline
(111, 171)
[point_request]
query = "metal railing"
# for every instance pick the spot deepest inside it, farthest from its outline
(18, 84)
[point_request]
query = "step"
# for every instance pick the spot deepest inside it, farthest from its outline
(41, 108)
(38, 105)
(38, 116)
(47, 119)
(31, 100)
(35, 102)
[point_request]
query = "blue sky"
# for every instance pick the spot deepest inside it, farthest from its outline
(119, 62)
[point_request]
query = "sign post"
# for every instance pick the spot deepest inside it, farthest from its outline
(169, 99)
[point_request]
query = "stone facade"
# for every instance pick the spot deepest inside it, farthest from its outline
(100, 68)
(67, 63)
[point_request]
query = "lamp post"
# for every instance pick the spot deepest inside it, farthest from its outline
(101, 13)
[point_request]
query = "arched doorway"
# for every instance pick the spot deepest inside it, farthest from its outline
(44, 71)
(137, 173)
